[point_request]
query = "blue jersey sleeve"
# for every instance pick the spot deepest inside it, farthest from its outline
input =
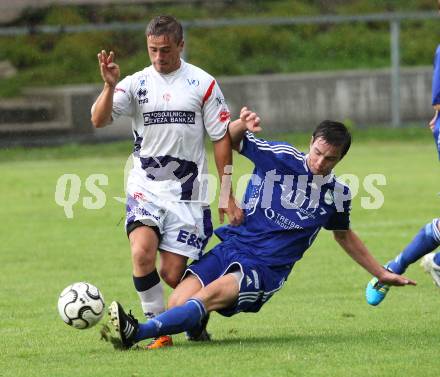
(340, 220)
(266, 154)
(436, 78)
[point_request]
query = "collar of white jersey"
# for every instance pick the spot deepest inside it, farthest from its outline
(171, 74)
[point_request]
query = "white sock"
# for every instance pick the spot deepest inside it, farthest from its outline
(152, 300)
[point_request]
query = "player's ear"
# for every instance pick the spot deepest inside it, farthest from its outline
(181, 45)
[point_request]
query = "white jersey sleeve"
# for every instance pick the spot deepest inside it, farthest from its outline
(216, 115)
(123, 99)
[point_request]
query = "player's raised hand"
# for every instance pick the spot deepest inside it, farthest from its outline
(390, 278)
(110, 71)
(250, 119)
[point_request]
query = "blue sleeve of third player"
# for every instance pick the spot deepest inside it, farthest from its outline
(436, 78)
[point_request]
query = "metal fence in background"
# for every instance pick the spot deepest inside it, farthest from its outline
(393, 19)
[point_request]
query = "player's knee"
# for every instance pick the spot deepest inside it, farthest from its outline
(172, 278)
(172, 267)
(142, 257)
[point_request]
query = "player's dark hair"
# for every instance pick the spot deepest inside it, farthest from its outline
(165, 25)
(334, 133)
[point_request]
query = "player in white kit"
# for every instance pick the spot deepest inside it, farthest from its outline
(172, 104)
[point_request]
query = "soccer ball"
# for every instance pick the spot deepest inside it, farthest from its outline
(81, 305)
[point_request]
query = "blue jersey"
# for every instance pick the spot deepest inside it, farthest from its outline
(436, 97)
(436, 78)
(285, 205)
(436, 134)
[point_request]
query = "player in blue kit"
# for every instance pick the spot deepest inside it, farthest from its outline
(289, 198)
(428, 238)
(435, 122)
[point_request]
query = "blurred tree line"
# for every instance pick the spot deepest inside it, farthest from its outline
(59, 59)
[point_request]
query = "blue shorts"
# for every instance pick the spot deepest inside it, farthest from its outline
(258, 283)
(436, 134)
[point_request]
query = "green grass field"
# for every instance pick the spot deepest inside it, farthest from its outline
(318, 325)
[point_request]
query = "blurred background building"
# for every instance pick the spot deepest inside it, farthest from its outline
(295, 62)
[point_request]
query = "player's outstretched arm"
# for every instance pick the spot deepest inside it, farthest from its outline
(354, 247)
(248, 121)
(110, 72)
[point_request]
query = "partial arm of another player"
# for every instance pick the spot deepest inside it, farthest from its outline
(102, 108)
(432, 121)
(248, 121)
(223, 159)
(435, 86)
(354, 247)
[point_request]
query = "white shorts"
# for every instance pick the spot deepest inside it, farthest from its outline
(185, 227)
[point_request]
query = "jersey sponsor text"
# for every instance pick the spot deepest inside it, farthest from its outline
(169, 117)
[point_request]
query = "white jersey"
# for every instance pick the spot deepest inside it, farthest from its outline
(170, 114)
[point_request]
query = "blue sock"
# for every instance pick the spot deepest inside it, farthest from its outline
(173, 321)
(423, 243)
